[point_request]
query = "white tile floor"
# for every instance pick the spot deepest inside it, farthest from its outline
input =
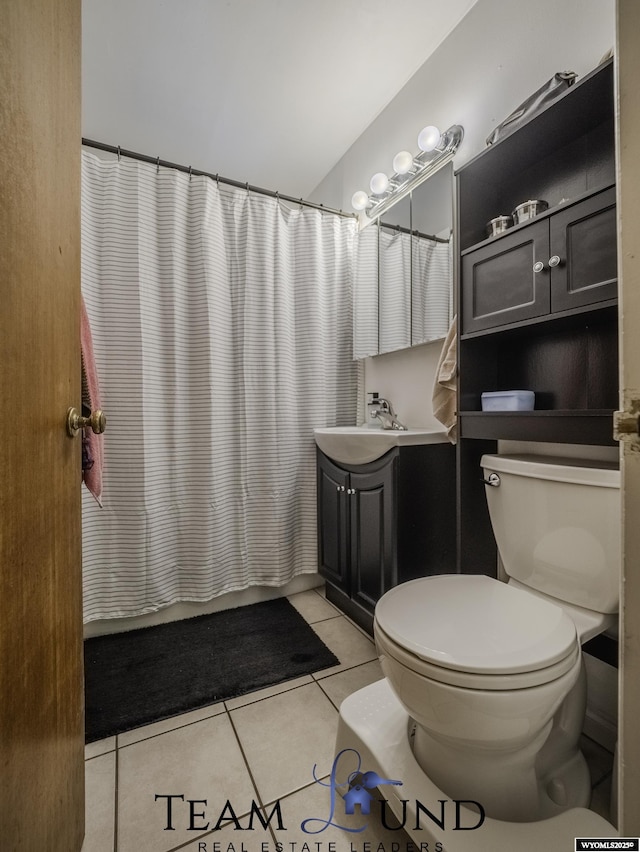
(260, 748)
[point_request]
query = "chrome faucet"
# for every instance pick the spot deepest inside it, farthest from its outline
(384, 412)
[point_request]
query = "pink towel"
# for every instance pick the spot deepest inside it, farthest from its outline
(92, 447)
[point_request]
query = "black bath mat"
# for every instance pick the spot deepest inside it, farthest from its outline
(145, 675)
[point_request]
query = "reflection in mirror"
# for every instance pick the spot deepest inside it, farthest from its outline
(403, 281)
(394, 277)
(365, 293)
(432, 257)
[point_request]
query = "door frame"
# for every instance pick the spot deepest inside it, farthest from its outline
(627, 778)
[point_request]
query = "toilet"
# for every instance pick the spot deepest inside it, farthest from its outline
(487, 676)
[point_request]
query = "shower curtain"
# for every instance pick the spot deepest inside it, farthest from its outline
(431, 302)
(394, 297)
(222, 331)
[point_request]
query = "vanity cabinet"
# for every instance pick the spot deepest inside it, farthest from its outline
(355, 530)
(383, 523)
(561, 261)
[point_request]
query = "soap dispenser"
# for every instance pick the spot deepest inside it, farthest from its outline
(373, 422)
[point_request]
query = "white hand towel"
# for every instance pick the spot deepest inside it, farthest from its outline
(445, 396)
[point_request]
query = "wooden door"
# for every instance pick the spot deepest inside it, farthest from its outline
(41, 703)
(500, 283)
(583, 243)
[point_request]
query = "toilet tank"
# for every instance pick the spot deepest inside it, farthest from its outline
(557, 526)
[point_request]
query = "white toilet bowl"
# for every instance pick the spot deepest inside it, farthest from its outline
(491, 673)
(498, 713)
(373, 722)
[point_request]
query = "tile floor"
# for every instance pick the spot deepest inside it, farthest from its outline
(260, 748)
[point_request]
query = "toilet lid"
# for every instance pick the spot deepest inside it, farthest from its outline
(472, 623)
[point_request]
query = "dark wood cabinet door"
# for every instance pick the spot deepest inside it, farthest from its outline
(500, 283)
(371, 504)
(333, 531)
(583, 244)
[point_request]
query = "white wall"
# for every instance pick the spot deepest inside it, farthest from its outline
(406, 378)
(497, 55)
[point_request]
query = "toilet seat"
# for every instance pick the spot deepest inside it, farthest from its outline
(467, 680)
(475, 632)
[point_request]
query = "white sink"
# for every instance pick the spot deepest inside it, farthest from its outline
(360, 444)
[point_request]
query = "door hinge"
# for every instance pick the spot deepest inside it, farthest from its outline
(626, 426)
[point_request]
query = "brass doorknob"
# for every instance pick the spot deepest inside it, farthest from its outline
(97, 422)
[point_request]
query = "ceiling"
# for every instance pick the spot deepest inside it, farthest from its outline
(272, 92)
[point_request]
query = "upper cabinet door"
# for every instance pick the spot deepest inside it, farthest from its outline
(365, 293)
(583, 257)
(506, 281)
(394, 270)
(431, 257)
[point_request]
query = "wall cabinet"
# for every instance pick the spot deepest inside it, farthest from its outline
(403, 276)
(561, 261)
(383, 523)
(538, 303)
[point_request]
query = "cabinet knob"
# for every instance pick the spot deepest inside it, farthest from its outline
(351, 490)
(555, 260)
(340, 488)
(538, 266)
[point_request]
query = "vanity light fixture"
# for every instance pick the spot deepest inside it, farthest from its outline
(359, 200)
(428, 138)
(403, 162)
(379, 183)
(436, 149)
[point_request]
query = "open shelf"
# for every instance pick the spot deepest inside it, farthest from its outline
(588, 426)
(546, 214)
(560, 154)
(600, 312)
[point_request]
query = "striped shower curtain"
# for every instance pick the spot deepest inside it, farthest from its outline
(394, 277)
(222, 330)
(402, 290)
(431, 291)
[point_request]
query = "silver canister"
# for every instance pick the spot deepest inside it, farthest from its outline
(528, 209)
(498, 225)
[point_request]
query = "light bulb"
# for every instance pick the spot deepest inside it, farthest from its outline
(402, 162)
(359, 200)
(428, 138)
(379, 183)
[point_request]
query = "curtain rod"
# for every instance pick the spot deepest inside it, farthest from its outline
(156, 161)
(401, 229)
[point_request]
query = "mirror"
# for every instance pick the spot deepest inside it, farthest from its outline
(432, 257)
(365, 293)
(394, 277)
(403, 280)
